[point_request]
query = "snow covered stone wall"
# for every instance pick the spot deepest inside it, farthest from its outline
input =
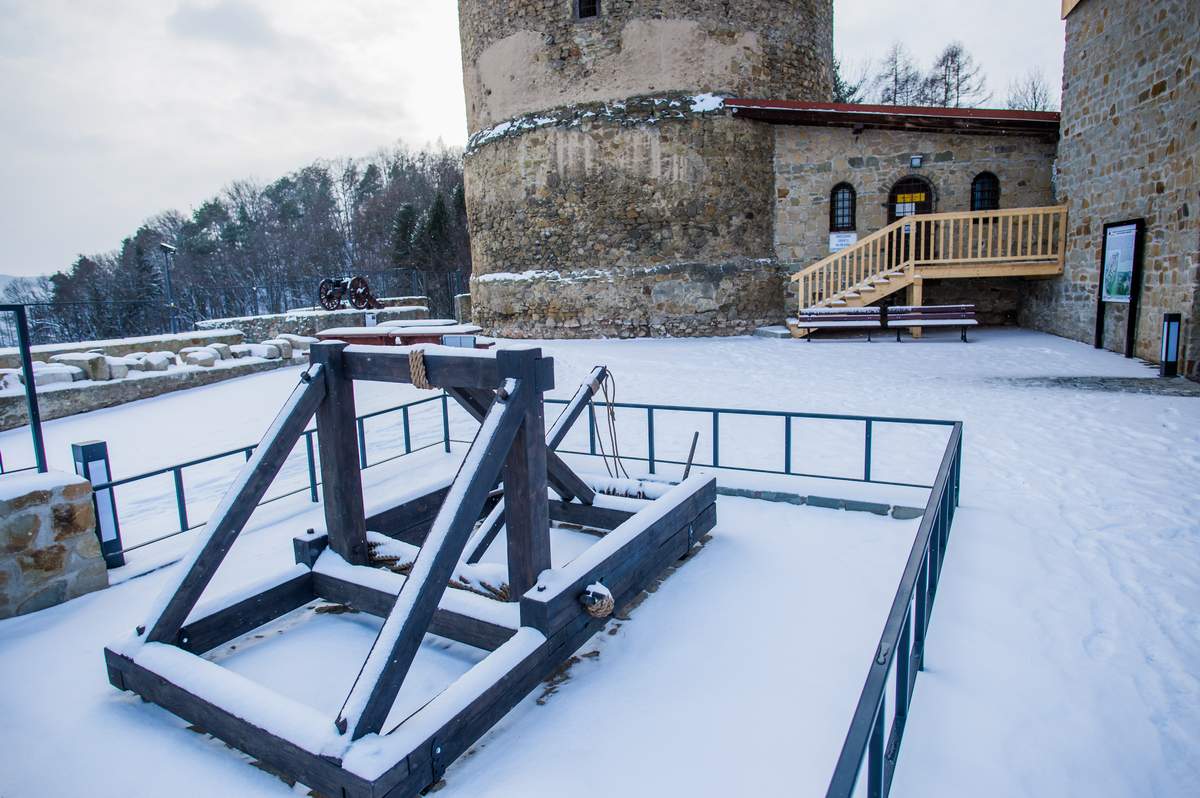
(48, 547)
(310, 321)
(10, 358)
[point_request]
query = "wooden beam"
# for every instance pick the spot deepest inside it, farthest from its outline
(526, 507)
(969, 270)
(409, 521)
(579, 402)
(323, 774)
(337, 441)
(588, 515)
(387, 664)
(443, 368)
(238, 504)
(247, 615)
(446, 623)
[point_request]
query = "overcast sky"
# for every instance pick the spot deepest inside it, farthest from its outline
(114, 110)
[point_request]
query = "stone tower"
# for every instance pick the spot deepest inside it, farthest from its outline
(608, 191)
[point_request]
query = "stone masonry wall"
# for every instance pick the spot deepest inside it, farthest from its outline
(810, 161)
(680, 299)
(48, 547)
(1130, 148)
(528, 55)
(309, 322)
(655, 189)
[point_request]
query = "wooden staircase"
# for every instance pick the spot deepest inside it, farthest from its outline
(1019, 242)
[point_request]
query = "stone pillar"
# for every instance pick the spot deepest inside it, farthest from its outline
(462, 308)
(49, 552)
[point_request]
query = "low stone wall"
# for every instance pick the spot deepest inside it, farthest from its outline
(116, 347)
(310, 322)
(48, 547)
(57, 401)
(683, 299)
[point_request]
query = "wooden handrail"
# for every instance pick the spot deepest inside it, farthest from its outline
(961, 238)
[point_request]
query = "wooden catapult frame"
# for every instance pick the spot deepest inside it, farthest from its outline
(353, 754)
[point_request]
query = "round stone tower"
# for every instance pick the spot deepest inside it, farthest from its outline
(608, 190)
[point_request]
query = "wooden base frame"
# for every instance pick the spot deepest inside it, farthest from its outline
(528, 639)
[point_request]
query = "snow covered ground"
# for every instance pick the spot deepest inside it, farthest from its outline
(1062, 653)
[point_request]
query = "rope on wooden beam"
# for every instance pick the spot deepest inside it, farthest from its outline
(416, 368)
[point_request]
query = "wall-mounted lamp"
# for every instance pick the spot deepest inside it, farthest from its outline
(1169, 356)
(915, 161)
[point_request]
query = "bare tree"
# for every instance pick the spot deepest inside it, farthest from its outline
(1030, 93)
(898, 81)
(955, 81)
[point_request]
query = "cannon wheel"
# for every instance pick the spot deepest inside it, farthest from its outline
(328, 295)
(360, 293)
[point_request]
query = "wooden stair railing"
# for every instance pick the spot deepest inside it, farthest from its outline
(1017, 241)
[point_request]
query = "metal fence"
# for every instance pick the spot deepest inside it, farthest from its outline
(872, 744)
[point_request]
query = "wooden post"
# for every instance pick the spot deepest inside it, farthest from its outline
(915, 299)
(341, 480)
(526, 504)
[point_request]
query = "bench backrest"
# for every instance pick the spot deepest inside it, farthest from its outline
(910, 312)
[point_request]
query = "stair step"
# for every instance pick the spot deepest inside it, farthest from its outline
(850, 295)
(866, 288)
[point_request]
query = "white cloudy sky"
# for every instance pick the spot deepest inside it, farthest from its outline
(114, 110)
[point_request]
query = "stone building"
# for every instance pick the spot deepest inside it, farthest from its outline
(639, 167)
(1130, 149)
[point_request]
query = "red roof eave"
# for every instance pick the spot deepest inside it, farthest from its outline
(994, 120)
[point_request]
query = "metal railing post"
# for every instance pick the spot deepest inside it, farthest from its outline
(716, 438)
(867, 455)
(31, 401)
(591, 428)
(91, 463)
(787, 444)
(312, 467)
(362, 443)
(445, 423)
(407, 436)
(650, 436)
(180, 498)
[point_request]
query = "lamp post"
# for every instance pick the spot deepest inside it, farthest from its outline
(1169, 354)
(168, 257)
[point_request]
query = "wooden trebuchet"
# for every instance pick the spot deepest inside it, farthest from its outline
(352, 755)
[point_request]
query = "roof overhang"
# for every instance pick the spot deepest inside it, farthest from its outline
(984, 121)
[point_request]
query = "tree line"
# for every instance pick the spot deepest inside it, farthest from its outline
(953, 80)
(398, 217)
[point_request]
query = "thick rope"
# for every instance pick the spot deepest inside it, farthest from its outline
(598, 605)
(416, 369)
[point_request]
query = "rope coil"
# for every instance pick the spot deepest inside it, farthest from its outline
(416, 369)
(598, 604)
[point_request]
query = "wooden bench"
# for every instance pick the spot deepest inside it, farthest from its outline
(868, 318)
(895, 318)
(960, 316)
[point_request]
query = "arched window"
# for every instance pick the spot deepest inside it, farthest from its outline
(842, 209)
(985, 192)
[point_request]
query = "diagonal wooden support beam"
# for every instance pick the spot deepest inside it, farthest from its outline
(391, 656)
(579, 402)
(198, 566)
(563, 479)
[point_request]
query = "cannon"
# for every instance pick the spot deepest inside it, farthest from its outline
(331, 291)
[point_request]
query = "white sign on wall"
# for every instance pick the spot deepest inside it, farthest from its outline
(839, 241)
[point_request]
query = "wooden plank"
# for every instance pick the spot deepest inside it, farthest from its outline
(579, 402)
(547, 611)
(371, 698)
(337, 441)
(237, 505)
(526, 509)
(453, 625)
(390, 364)
(247, 615)
(322, 774)
(410, 520)
(492, 524)
(588, 515)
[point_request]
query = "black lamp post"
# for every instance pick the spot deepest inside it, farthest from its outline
(168, 257)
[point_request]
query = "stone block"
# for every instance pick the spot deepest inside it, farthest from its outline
(200, 357)
(265, 351)
(118, 369)
(49, 552)
(222, 351)
(300, 343)
(283, 345)
(94, 365)
(240, 351)
(158, 361)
